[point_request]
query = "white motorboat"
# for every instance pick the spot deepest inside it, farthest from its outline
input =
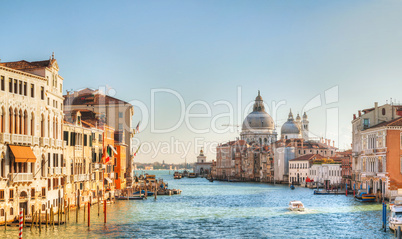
(296, 206)
(395, 219)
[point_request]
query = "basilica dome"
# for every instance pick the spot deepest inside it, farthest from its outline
(290, 126)
(258, 119)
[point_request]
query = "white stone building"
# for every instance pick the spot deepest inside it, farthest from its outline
(327, 174)
(202, 167)
(32, 169)
(299, 168)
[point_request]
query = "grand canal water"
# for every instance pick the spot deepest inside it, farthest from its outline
(226, 210)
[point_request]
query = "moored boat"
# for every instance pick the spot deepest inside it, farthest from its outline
(192, 175)
(395, 219)
(130, 198)
(177, 175)
(296, 206)
(364, 196)
(292, 186)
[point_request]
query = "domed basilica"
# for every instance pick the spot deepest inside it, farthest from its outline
(259, 127)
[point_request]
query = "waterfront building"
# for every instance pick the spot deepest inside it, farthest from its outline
(32, 168)
(346, 160)
(376, 145)
(108, 155)
(328, 174)
(82, 153)
(258, 126)
(202, 167)
(106, 110)
(299, 168)
(225, 163)
(287, 149)
(120, 160)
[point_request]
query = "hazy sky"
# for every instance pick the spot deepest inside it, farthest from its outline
(292, 51)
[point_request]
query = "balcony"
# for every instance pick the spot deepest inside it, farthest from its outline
(5, 138)
(20, 177)
(35, 140)
(43, 141)
(53, 142)
(57, 171)
(368, 151)
(59, 143)
(111, 175)
(78, 147)
(81, 177)
(16, 138)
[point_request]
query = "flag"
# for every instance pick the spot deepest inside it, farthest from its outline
(135, 154)
(137, 129)
(105, 155)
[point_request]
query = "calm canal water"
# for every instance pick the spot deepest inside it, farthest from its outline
(225, 210)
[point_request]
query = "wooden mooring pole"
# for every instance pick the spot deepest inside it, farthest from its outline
(104, 211)
(89, 214)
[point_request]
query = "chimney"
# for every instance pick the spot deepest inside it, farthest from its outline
(375, 112)
(360, 113)
(354, 116)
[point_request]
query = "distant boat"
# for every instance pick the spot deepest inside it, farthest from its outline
(177, 175)
(296, 206)
(138, 193)
(192, 175)
(292, 186)
(130, 198)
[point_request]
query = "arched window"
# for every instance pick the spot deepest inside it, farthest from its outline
(25, 122)
(20, 122)
(383, 111)
(32, 124)
(10, 120)
(42, 126)
(2, 120)
(11, 211)
(2, 212)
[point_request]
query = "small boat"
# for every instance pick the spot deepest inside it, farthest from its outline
(321, 192)
(177, 175)
(395, 219)
(296, 206)
(364, 196)
(192, 175)
(149, 193)
(130, 198)
(292, 186)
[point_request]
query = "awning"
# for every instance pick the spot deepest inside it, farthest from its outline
(23, 154)
(114, 150)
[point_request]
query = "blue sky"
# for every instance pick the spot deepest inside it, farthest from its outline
(205, 50)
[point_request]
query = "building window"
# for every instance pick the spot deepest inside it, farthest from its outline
(120, 114)
(120, 126)
(42, 93)
(2, 83)
(2, 195)
(15, 86)
(65, 137)
(32, 192)
(383, 111)
(11, 194)
(366, 123)
(10, 85)
(20, 87)
(25, 89)
(11, 211)
(32, 90)
(85, 140)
